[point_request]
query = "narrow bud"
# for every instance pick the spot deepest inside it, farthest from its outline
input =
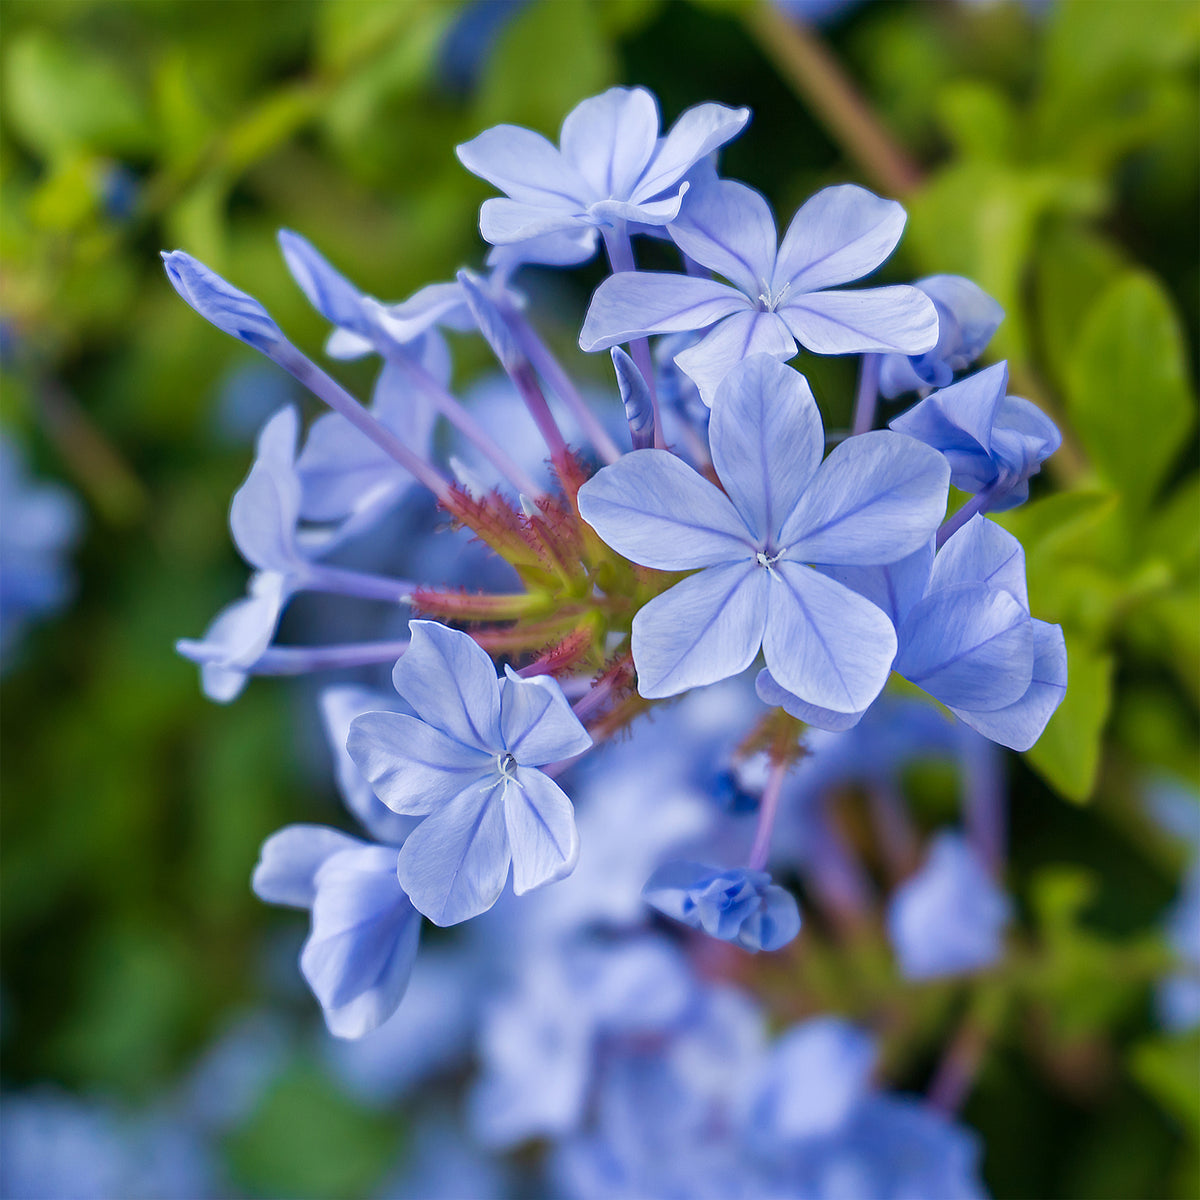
(231, 311)
(635, 395)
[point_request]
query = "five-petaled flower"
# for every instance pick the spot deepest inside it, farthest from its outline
(877, 498)
(781, 294)
(467, 763)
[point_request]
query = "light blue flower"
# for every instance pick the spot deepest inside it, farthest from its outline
(734, 904)
(780, 294)
(950, 917)
(466, 764)
(967, 318)
(964, 635)
(875, 499)
(994, 442)
(612, 167)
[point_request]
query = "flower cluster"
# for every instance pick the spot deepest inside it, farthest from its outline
(691, 525)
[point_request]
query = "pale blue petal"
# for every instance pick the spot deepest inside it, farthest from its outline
(706, 628)
(412, 766)
(266, 508)
(633, 304)
(455, 862)
(451, 683)
(609, 139)
(769, 692)
(503, 222)
(655, 510)
(839, 235)
(436, 304)
(896, 587)
(340, 705)
(728, 227)
(536, 721)
(541, 830)
(982, 552)
(698, 132)
(1020, 724)
(877, 498)
(216, 300)
(733, 341)
(563, 249)
(824, 643)
(289, 861)
(871, 321)
(344, 344)
(652, 214)
(360, 953)
(767, 440)
(523, 165)
(970, 646)
(972, 313)
(328, 291)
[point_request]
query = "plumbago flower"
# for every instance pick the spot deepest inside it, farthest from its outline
(466, 763)
(661, 572)
(780, 294)
(612, 168)
(876, 498)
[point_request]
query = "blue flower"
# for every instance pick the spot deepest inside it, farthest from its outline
(949, 918)
(363, 942)
(994, 442)
(232, 311)
(875, 499)
(964, 635)
(967, 318)
(466, 764)
(734, 904)
(612, 168)
(780, 294)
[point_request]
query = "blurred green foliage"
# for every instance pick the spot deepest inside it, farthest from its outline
(1059, 169)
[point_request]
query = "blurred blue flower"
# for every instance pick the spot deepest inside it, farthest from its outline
(949, 918)
(731, 903)
(781, 294)
(876, 498)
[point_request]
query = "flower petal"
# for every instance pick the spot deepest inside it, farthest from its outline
(706, 628)
(839, 235)
(731, 342)
(503, 222)
(524, 166)
(609, 139)
(769, 692)
(541, 830)
(360, 953)
(696, 134)
(767, 440)
(266, 508)
(1020, 724)
(883, 320)
(824, 643)
(895, 588)
(655, 510)
(728, 227)
(412, 766)
(633, 304)
(982, 552)
(327, 289)
(873, 500)
(289, 861)
(970, 646)
(451, 683)
(455, 862)
(537, 723)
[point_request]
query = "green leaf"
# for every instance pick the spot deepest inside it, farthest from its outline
(530, 80)
(1068, 753)
(979, 120)
(1128, 392)
(60, 97)
(1168, 1069)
